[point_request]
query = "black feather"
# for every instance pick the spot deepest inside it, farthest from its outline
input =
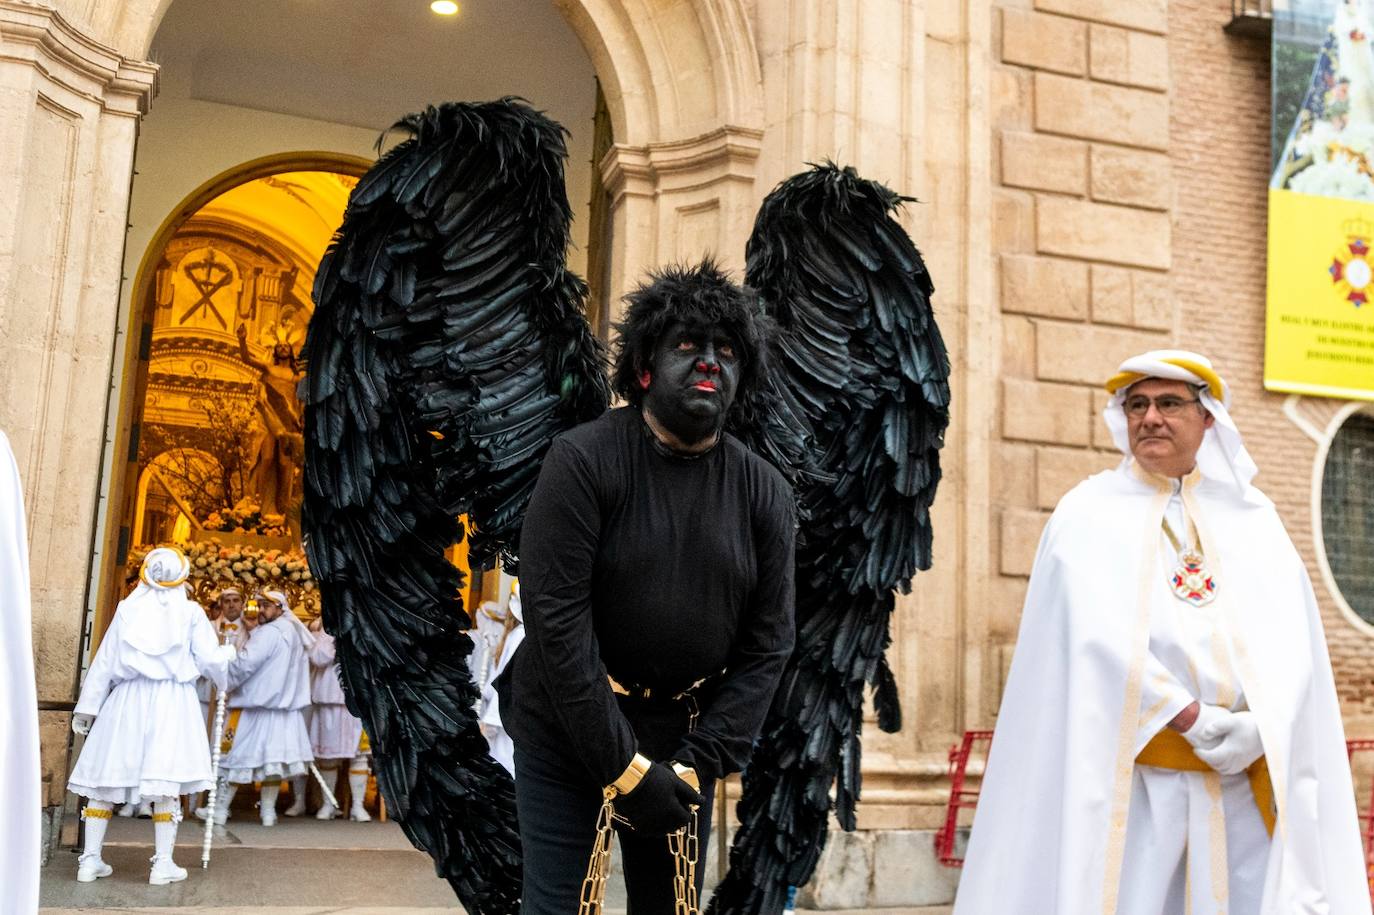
(862, 360)
(425, 276)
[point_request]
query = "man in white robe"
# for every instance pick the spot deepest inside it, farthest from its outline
(227, 620)
(269, 689)
(1170, 704)
(138, 711)
(20, 840)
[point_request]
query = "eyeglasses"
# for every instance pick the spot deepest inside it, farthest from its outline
(1168, 405)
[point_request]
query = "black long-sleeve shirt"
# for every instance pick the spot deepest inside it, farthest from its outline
(662, 570)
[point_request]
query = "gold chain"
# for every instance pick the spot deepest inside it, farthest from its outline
(683, 846)
(593, 897)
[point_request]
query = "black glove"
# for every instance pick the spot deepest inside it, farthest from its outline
(661, 803)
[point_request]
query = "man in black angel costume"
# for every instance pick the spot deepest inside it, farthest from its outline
(656, 565)
(453, 375)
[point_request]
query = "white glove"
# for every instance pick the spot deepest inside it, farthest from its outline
(1238, 744)
(81, 724)
(1208, 717)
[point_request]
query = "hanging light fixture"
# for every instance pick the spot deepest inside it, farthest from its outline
(444, 7)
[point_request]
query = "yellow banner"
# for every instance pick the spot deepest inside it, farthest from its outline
(1319, 333)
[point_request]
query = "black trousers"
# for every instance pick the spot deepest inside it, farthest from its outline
(558, 806)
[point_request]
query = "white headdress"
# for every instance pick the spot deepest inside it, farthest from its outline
(161, 589)
(1222, 456)
(306, 637)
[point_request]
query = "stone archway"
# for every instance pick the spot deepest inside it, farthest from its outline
(685, 97)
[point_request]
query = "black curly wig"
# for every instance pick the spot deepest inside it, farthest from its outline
(701, 294)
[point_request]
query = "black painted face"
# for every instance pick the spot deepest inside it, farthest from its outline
(692, 380)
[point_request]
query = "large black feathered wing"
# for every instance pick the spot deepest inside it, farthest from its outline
(859, 357)
(448, 346)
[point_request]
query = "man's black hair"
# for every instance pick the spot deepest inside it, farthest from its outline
(703, 295)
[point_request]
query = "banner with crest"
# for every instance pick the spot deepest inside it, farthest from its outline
(1319, 334)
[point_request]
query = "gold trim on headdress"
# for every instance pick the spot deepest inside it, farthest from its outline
(143, 571)
(1206, 373)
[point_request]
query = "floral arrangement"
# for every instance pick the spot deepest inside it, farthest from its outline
(246, 517)
(215, 567)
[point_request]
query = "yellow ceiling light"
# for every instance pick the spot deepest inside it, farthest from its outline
(445, 7)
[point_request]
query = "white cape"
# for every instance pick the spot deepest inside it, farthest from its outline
(20, 840)
(1049, 832)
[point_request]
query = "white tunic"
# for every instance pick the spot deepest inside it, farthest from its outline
(270, 682)
(1190, 834)
(19, 765)
(334, 731)
(148, 739)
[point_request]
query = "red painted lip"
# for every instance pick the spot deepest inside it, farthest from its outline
(705, 386)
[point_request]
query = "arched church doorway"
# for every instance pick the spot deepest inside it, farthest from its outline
(220, 306)
(223, 304)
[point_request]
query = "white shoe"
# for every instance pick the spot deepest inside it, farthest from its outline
(269, 819)
(125, 810)
(359, 815)
(145, 810)
(165, 871)
(89, 870)
(221, 816)
(296, 809)
(327, 811)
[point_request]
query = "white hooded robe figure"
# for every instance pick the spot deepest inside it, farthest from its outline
(145, 738)
(1090, 802)
(269, 688)
(20, 840)
(335, 733)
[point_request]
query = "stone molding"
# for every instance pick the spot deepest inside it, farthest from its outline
(728, 153)
(678, 200)
(74, 60)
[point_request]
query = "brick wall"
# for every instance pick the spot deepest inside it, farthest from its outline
(1132, 148)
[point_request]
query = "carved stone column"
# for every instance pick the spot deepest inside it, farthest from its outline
(70, 108)
(677, 202)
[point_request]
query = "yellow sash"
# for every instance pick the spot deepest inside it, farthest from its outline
(230, 727)
(364, 745)
(1169, 750)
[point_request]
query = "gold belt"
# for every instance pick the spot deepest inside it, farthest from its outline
(231, 727)
(1170, 750)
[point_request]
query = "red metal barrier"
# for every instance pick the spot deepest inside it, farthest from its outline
(960, 798)
(1367, 817)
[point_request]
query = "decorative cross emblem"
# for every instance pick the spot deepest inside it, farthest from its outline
(209, 276)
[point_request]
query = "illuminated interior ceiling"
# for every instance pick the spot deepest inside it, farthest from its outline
(246, 259)
(367, 62)
(298, 210)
